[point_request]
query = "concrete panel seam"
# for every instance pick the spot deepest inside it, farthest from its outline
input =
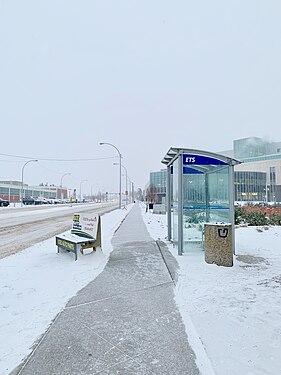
(119, 295)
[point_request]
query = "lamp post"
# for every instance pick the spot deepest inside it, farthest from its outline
(132, 190)
(80, 188)
(65, 174)
(29, 161)
(95, 184)
(126, 180)
(120, 157)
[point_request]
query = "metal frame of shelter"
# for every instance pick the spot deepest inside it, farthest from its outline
(208, 165)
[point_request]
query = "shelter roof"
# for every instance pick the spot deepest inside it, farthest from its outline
(174, 152)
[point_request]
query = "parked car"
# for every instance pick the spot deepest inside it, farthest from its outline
(4, 202)
(54, 201)
(30, 200)
(43, 200)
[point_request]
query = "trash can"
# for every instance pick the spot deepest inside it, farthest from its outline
(150, 206)
(218, 244)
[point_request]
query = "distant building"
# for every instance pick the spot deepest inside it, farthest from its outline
(12, 190)
(260, 171)
(157, 182)
(270, 166)
(257, 178)
(249, 147)
(249, 186)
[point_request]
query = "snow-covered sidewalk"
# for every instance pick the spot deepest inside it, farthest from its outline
(235, 312)
(36, 284)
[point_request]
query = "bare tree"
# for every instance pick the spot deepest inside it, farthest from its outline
(139, 195)
(151, 195)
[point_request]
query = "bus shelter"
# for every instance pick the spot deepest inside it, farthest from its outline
(200, 189)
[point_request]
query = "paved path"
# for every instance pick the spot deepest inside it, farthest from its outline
(123, 322)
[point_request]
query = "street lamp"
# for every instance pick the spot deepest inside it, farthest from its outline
(80, 188)
(29, 161)
(95, 184)
(65, 174)
(126, 180)
(120, 157)
(132, 190)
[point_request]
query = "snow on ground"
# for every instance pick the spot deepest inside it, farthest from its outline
(16, 211)
(232, 315)
(234, 312)
(36, 284)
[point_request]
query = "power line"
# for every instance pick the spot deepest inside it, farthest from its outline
(10, 161)
(45, 159)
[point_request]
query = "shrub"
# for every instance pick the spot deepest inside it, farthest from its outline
(238, 215)
(275, 219)
(256, 218)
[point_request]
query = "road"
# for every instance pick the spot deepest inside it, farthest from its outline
(25, 226)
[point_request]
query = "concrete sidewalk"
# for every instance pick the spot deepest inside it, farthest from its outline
(123, 322)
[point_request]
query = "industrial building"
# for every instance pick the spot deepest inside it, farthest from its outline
(13, 190)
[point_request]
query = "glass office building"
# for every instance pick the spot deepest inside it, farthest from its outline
(249, 147)
(158, 181)
(262, 173)
(250, 186)
(253, 147)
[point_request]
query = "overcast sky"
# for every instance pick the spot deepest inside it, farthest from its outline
(143, 75)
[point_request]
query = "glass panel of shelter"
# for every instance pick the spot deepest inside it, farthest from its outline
(205, 199)
(175, 205)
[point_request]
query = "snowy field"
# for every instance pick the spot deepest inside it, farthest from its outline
(232, 315)
(234, 312)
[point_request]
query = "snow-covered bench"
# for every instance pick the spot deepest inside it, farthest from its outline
(72, 243)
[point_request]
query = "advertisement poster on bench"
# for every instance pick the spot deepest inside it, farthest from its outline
(85, 225)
